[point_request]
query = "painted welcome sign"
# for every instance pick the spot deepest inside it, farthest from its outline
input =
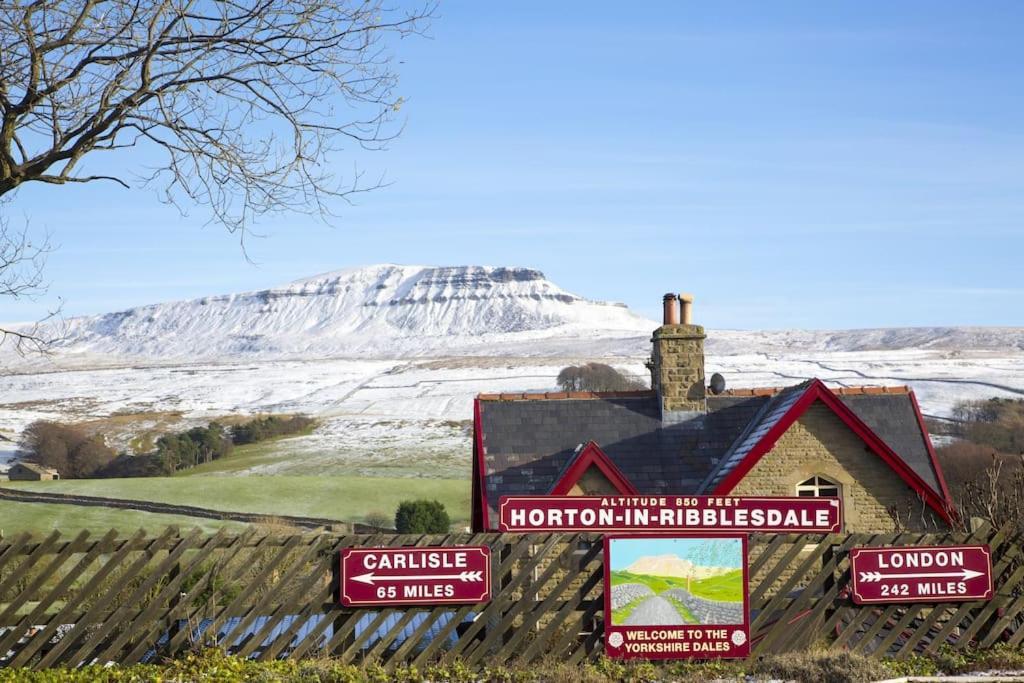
(415, 576)
(921, 574)
(680, 597)
(669, 514)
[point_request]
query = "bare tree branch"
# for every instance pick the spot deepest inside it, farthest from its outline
(246, 102)
(22, 261)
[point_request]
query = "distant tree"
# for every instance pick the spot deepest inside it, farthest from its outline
(193, 447)
(708, 554)
(378, 520)
(421, 517)
(596, 377)
(127, 466)
(177, 451)
(996, 422)
(211, 442)
(269, 427)
(70, 450)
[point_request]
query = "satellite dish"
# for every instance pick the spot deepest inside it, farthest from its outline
(717, 383)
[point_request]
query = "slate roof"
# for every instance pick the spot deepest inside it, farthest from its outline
(529, 443)
(38, 469)
(773, 410)
(530, 440)
(894, 418)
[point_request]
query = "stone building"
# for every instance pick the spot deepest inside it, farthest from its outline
(27, 471)
(866, 445)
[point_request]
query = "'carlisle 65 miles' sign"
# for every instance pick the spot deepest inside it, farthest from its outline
(415, 576)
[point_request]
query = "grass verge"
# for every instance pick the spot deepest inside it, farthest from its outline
(71, 519)
(805, 667)
(347, 499)
(619, 615)
(683, 610)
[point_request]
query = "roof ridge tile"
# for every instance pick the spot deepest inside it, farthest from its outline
(861, 390)
(564, 395)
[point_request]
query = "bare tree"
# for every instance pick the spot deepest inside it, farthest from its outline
(596, 377)
(242, 101)
(21, 276)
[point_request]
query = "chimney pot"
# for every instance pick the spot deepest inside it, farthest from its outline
(670, 314)
(686, 306)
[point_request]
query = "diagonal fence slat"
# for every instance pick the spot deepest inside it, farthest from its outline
(119, 626)
(90, 587)
(46, 601)
(93, 617)
(147, 623)
(69, 601)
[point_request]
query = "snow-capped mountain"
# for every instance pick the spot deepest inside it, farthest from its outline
(392, 311)
(382, 310)
(671, 565)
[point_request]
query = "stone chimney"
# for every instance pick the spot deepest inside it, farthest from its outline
(677, 361)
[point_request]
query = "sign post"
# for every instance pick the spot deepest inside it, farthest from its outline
(665, 514)
(921, 574)
(680, 597)
(414, 576)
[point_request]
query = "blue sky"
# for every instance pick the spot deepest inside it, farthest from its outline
(626, 551)
(793, 164)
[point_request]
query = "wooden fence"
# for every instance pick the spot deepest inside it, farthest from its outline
(72, 601)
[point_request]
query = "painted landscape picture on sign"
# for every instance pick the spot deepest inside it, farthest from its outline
(672, 581)
(676, 597)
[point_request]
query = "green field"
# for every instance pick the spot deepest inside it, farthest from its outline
(658, 584)
(288, 455)
(620, 615)
(727, 587)
(242, 458)
(348, 499)
(70, 519)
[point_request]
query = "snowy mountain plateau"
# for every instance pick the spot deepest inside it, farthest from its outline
(389, 358)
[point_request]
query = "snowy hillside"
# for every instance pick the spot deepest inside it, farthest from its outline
(389, 359)
(952, 339)
(391, 311)
(379, 311)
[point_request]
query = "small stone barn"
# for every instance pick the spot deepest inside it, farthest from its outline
(27, 471)
(866, 445)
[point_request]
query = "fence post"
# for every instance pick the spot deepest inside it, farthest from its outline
(172, 613)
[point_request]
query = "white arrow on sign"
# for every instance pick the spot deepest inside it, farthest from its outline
(466, 577)
(965, 574)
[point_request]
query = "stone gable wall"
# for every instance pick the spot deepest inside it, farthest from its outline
(819, 443)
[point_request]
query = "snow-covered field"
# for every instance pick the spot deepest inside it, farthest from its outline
(390, 357)
(388, 413)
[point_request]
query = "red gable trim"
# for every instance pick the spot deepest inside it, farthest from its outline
(481, 514)
(931, 451)
(592, 456)
(817, 391)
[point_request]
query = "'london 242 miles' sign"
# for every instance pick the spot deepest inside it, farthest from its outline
(921, 574)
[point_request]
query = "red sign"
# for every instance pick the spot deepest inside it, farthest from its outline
(921, 574)
(415, 576)
(676, 597)
(669, 513)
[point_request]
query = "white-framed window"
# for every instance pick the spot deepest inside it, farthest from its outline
(817, 487)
